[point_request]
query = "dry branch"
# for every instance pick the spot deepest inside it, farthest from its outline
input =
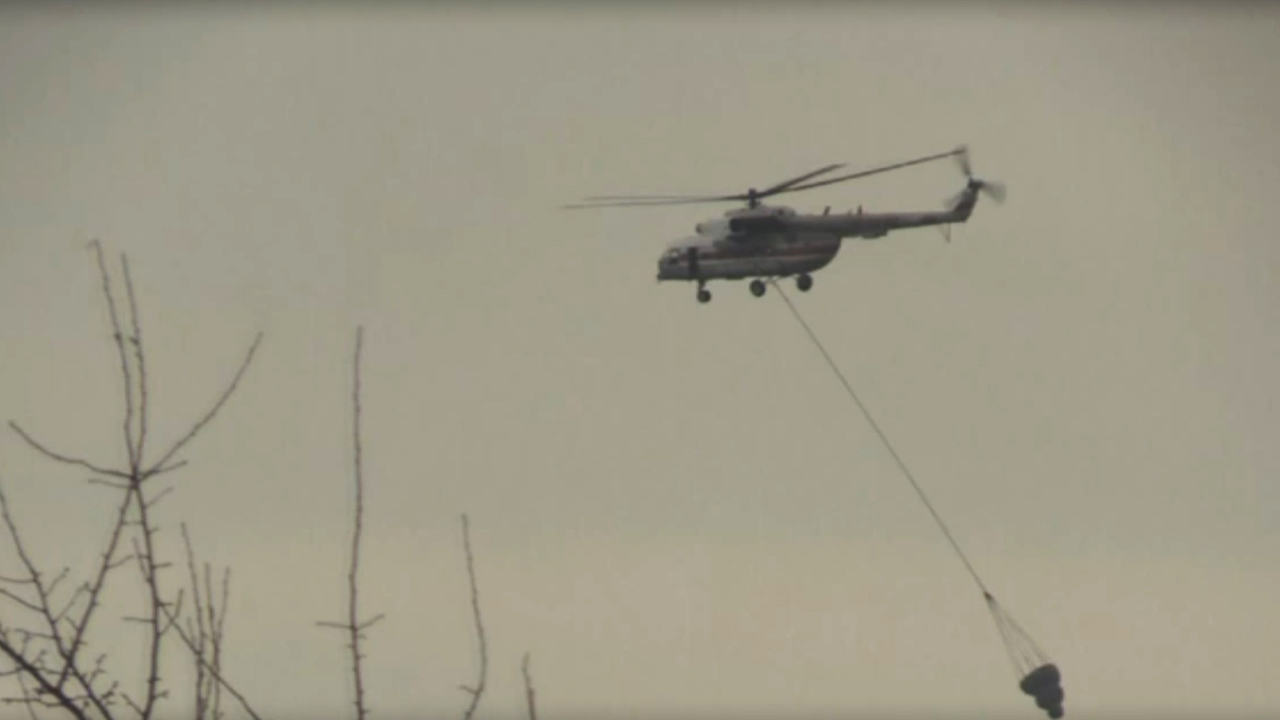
(140, 438)
(65, 651)
(354, 626)
(160, 465)
(118, 337)
(478, 689)
(205, 630)
(215, 672)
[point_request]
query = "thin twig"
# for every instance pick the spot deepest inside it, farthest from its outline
(215, 672)
(64, 458)
(195, 430)
(20, 600)
(155, 500)
(478, 690)
(218, 636)
(141, 438)
(200, 635)
(118, 337)
(26, 693)
(353, 610)
(528, 688)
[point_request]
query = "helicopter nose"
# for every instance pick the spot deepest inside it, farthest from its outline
(663, 271)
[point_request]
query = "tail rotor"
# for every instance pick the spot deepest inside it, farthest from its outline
(992, 189)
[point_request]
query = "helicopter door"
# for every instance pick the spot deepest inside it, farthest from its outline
(693, 264)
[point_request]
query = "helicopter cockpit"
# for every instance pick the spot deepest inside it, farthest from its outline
(672, 258)
(676, 261)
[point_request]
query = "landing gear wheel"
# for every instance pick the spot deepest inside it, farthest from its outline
(704, 295)
(757, 287)
(804, 282)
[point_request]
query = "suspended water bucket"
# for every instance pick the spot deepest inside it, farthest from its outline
(1040, 678)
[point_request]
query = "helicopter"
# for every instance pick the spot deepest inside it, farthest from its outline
(765, 242)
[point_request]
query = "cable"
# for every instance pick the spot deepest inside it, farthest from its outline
(849, 388)
(1022, 650)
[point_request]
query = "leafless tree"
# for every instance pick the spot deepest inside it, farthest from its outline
(46, 621)
(44, 634)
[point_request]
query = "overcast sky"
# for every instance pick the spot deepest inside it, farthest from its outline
(674, 506)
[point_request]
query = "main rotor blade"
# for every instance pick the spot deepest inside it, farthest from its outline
(630, 200)
(962, 157)
(874, 171)
(788, 183)
(792, 185)
(651, 202)
(595, 198)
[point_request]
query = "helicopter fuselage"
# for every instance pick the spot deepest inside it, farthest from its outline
(764, 255)
(778, 242)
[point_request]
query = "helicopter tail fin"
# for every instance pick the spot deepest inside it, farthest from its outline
(962, 203)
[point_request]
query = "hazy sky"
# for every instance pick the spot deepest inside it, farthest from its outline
(674, 506)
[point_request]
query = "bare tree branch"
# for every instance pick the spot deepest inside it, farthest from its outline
(201, 637)
(38, 676)
(217, 622)
(353, 611)
(353, 625)
(478, 690)
(135, 451)
(150, 575)
(134, 440)
(107, 564)
(205, 631)
(210, 668)
(118, 337)
(64, 458)
(21, 601)
(43, 606)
